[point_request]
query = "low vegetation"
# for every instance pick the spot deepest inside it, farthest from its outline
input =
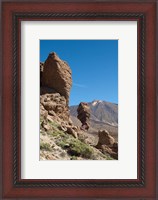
(45, 146)
(75, 147)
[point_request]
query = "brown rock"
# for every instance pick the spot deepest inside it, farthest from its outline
(115, 147)
(59, 108)
(57, 75)
(45, 126)
(107, 144)
(52, 113)
(63, 128)
(106, 149)
(43, 112)
(55, 105)
(71, 131)
(49, 106)
(105, 138)
(83, 111)
(50, 118)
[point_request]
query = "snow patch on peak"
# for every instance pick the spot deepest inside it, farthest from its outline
(96, 102)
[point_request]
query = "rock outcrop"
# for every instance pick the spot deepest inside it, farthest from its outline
(107, 143)
(55, 88)
(57, 75)
(83, 111)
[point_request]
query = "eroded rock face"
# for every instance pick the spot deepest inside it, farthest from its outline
(54, 105)
(54, 108)
(57, 75)
(83, 111)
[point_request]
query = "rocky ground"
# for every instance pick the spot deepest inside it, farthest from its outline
(55, 144)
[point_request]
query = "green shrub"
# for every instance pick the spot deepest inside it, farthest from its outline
(80, 149)
(73, 158)
(56, 133)
(75, 147)
(45, 146)
(54, 124)
(82, 138)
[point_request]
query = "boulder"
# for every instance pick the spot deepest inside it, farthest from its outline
(105, 138)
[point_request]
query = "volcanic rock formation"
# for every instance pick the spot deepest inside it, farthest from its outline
(57, 75)
(84, 115)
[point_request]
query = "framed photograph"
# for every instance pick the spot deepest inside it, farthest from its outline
(79, 100)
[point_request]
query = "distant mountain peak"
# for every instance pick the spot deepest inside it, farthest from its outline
(101, 111)
(95, 102)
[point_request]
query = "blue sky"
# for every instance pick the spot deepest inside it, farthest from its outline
(94, 65)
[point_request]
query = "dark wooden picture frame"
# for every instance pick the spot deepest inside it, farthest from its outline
(144, 187)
